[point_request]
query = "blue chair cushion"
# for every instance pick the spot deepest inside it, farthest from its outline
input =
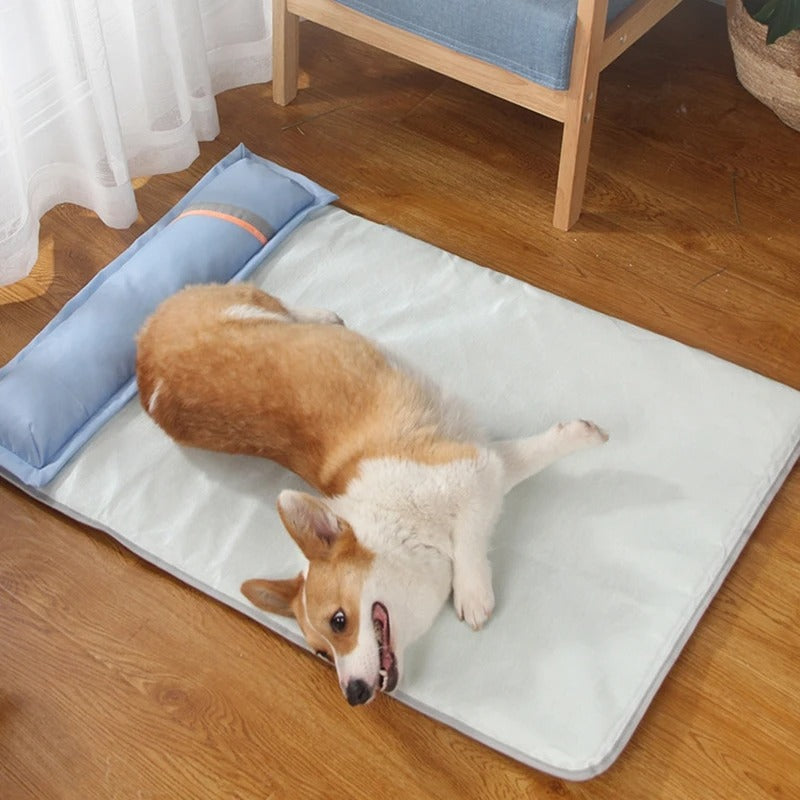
(225, 226)
(532, 38)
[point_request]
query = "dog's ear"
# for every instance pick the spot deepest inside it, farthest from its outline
(275, 596)
(314, 527)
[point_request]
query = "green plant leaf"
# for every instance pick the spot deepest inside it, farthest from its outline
(780, 16)
(792, 12)
(753, 6)
(766, 12)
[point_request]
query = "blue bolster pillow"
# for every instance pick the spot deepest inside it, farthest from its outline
(50, 401)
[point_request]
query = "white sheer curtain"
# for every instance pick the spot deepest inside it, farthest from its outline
(95, 92)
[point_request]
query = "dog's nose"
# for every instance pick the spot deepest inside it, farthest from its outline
(358, 692)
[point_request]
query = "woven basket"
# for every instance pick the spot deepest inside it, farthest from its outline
(770, 72)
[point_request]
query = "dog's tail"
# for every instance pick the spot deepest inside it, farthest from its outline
(523, 458)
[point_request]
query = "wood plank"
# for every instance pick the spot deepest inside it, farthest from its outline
(576, 138)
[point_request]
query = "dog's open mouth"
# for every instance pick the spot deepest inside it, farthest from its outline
(388, 662)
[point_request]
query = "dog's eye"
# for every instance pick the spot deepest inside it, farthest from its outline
(338, 621)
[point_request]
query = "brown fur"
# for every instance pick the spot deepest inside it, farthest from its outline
(335, 583)
(315, 398)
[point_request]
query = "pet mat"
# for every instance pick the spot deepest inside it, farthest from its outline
(603, 563)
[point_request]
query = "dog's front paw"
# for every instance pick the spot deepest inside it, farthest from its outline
(473, 598)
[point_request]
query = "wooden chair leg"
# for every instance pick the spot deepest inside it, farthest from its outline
(579, 119)
(285, 53)
(574, 161)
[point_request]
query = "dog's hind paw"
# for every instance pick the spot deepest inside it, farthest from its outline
(474, 602)
(580, 433)
(316, 316)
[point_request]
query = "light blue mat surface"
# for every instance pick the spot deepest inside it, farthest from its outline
(603, 563)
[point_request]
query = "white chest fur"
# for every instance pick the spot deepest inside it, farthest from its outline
(395, 502)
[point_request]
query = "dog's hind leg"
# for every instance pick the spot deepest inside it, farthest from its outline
(525, 457)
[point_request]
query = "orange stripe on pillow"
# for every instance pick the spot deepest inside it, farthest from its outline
(205, 212)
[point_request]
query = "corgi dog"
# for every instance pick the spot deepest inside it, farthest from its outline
(408, 495)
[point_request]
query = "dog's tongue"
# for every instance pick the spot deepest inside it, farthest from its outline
(380, 621)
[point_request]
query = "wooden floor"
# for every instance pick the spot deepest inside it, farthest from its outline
(117, 681)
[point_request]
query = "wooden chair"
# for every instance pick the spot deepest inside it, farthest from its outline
(596, 45)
